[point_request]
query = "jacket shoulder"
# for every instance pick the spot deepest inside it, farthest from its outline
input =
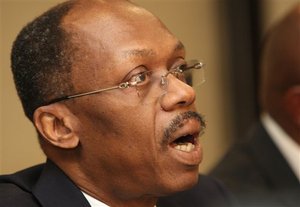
(15, 189)
(11, 195)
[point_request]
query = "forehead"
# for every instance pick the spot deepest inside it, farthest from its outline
(103, 20)
(113, 23)
(116, 32)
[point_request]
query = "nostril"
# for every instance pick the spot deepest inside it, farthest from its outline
(182, 103)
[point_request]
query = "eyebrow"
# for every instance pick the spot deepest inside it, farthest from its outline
(139, 53)
(148, 52)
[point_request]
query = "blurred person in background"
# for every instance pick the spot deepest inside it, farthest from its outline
(264, 169)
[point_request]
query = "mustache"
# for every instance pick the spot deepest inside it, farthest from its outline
(178, 122)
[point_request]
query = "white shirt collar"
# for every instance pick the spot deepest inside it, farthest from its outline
(94, 202)
(286, 145)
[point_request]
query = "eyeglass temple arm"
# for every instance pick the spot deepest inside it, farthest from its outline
(122, 85)
(195, 64)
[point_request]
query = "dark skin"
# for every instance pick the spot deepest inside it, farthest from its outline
(112, 144)
(280, 76)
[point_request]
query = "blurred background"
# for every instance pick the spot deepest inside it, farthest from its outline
(225, 34)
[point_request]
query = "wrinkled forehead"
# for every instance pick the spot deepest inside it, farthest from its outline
(101, 17)
(111, 24)
(107, 30)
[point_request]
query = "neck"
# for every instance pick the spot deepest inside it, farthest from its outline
(108, 190)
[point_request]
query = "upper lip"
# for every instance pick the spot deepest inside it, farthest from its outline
(189, 127)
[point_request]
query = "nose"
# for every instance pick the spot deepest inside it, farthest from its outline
(177, 94)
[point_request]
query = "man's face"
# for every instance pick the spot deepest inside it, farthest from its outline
(127, 135)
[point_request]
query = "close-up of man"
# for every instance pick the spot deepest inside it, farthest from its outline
(104, 84)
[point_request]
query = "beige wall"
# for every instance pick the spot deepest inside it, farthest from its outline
(274, 10)
(198, 23)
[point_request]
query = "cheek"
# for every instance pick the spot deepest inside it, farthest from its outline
(122, 133)
(120, 124)
(120, 142)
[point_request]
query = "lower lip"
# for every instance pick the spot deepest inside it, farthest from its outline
(192, 158)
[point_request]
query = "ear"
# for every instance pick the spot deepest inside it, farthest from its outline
(292, 102)
(57, 124)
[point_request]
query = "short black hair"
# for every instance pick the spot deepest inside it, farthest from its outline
(41, 60)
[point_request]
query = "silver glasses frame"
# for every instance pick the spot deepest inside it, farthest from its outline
(193, 64)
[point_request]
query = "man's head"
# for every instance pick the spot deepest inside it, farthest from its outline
(280, 74)
(120, 145)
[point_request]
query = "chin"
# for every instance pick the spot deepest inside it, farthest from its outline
(187, 182)
(181, 182)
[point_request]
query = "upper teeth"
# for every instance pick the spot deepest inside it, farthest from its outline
(185, 147)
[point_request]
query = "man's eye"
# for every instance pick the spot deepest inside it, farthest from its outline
(182, 67)
(140, 78)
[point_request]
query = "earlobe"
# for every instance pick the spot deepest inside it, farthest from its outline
(57, 125)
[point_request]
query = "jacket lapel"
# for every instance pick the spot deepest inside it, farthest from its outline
(55, 189)
(277, 172)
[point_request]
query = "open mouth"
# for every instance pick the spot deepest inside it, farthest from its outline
(185, 143)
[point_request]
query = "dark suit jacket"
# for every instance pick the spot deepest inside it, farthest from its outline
(46, 185)
(257, 173)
